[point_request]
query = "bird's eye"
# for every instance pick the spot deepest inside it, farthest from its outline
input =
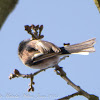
(30, 49)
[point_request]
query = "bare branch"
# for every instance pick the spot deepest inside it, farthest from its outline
(35, 35)
(31, 76)
(70, 96)
(60, 72)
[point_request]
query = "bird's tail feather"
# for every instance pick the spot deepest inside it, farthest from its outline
(83, 48)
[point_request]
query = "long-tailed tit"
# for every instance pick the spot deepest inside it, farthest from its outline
(41, 54)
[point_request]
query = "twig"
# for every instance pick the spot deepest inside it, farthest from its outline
(70, 96)
(35, 35)
(60, 72)
(40, 30)
(31, 76)
(29, 31)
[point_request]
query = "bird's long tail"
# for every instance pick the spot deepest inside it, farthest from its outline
(83, 48)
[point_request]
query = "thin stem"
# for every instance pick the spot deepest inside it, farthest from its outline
(63, 75)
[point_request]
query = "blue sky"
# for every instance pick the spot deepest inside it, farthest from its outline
(64, 21)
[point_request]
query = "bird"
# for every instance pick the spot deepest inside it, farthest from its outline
(40, 54)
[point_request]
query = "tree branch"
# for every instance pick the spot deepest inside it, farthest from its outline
(31, 76)
(37, 31)
(70, 96)
(60, 71)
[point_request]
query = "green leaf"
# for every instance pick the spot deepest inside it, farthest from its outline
(6, 7)
(97, 3)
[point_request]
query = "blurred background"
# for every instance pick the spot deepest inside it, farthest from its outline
(64, 22)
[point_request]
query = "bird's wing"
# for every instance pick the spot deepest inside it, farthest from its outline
(46, 47)
(44, 56)
(47, 50)
(43, 50)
